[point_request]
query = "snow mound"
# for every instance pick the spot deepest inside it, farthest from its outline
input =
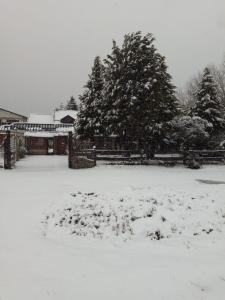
(137, 213)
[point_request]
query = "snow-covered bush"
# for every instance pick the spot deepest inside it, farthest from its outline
(135, 213)
(190, 132)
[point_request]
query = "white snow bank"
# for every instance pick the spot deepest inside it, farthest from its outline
(60, 266)
(138, 213)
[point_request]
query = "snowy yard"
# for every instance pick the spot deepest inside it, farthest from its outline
(111, 232)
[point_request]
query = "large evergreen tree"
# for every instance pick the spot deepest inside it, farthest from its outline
(138, 92)
(90, 113)
(208, 105)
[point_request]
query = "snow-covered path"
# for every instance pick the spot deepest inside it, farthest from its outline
(34, 266)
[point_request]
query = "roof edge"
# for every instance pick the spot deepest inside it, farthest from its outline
(13, 112)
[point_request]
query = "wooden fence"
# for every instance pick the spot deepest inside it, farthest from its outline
(127, 156)
(80, 149)
(205, 156)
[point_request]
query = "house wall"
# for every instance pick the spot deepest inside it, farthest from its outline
(67, 120)
(7, 117)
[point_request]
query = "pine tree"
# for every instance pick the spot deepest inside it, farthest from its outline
(90, 113)
(138, 91)
(72, 105)
(208, 105)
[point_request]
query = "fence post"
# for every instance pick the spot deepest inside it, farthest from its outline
(94, 154)
(141, 156)
(70, 147)
(7, 152)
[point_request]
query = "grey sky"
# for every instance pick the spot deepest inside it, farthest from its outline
(48, 46)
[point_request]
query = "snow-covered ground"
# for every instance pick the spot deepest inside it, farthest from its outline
(109, 260)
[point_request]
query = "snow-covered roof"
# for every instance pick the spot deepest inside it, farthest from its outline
(65, 129)
(39, 134)
(44, 134)
(40, 119)
(60, 114)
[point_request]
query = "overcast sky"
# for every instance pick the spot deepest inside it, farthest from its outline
(48, 46)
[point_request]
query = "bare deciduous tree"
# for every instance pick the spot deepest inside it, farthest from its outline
(219, 78)
(187, 95)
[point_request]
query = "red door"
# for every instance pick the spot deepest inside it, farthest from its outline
(62, 142)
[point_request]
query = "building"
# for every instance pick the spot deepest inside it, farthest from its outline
(45, 134)
(8, 117)
(48, 134)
